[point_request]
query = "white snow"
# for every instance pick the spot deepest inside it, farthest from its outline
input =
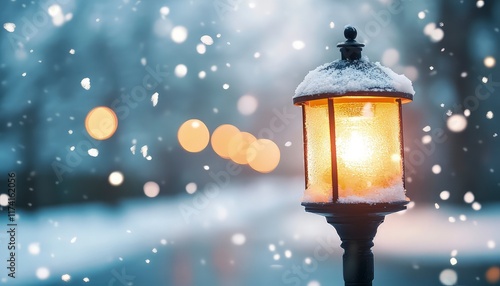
(469, 197)
(298, 45)
(207, 40)
(448, 277)
(164, 11)
(66, 277)
(144, 151)
(393, 193)
(238, 239)
(456, 123)
(201, 49)
(93, 152)
(489, 114)
(34, 248)
(10, 27)
(191, 188)
(444, 195)
(154, 98)
(4, 200)
(436, 169)
(42, 273)
(85, 83)
(179, 34)
(360, 75)
(180, 70)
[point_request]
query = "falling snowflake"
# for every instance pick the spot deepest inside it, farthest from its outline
(207, 40)
(144, 151)
(93, 152)
(66, 277)
(298, 45)
(179, 34)
(10, 27)
(154, 98)
(238, 239)
(85, 83)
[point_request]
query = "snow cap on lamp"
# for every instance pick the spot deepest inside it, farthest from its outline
(352, 73)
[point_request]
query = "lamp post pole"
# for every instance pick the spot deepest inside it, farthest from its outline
(356, 226)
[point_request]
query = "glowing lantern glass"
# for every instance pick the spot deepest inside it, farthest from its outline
(352, 122)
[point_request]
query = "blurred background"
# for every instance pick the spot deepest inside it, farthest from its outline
(158, 220)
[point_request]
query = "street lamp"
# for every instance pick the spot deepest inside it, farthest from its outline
(353, 150)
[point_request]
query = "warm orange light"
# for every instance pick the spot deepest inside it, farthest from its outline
(220, 139)
(193, 135)
(368, 150)
(263, 155)
(493, 274)
(238, 146)
(101, 123)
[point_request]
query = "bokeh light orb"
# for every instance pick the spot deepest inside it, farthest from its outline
(115, 178)
(42, 273)
(101, 123)
(151, 189)
(448, 277)
(193, 135)
(238, 146)
(489, 62)
(263, 155)
(238, 239)
(66, 277)
(4, 200)
(493, 274)
(456, 123)
(247, 104)
(191, 188)
(220, 139)
(180, 70)
(34, 248)
(179, 34)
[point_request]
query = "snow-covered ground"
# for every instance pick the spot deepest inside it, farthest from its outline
(250, 234)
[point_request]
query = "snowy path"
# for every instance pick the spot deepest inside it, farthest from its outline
(89, 240)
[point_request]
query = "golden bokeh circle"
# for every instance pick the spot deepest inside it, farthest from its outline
(220, 139)
(263, 155)
(238, 145)
(193, 135)
(101, 123)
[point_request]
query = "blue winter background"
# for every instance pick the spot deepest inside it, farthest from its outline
(74, 228)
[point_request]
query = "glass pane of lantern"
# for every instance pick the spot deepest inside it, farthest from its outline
(318, 156)
(369, 164)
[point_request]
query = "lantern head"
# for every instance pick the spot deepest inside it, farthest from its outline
(352, 122)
